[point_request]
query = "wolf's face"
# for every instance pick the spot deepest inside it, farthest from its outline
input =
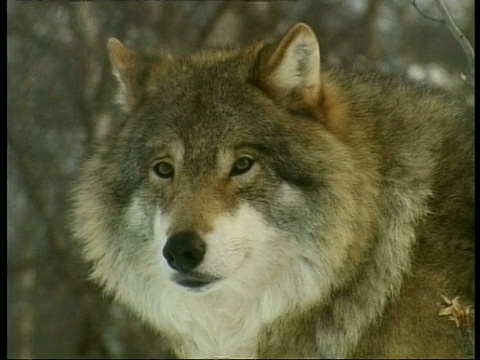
(222, 183)
(229, 176)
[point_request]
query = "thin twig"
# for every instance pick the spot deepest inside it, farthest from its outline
(457, 33)
(413, 2)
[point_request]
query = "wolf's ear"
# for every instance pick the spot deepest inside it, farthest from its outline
(289, 71)
(130, 69)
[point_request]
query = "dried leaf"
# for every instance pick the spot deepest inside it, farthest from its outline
(455, 311)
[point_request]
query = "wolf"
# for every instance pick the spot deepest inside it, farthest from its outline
(255, 204)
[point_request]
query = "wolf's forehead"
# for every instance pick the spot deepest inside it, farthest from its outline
(208, 109)
(222, 80)
(206, 139)
(213, 115)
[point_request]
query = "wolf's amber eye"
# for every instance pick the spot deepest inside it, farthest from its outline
(163, 169)
(241, 166)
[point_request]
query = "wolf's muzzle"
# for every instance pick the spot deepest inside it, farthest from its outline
(184, 251)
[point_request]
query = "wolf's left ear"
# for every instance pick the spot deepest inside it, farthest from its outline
(289, 71)
(130, 69)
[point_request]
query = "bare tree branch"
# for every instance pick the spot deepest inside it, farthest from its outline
(448, 21)
(414, 3)
(467, 48)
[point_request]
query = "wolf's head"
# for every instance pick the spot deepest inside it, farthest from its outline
(231, 172)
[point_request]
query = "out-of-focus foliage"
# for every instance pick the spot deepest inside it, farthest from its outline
(59, 100)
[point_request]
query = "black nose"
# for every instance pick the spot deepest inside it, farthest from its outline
(184, 250)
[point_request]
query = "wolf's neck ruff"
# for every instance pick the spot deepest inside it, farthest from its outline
(256, 206)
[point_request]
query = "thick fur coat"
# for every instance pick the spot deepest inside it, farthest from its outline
(254, 204)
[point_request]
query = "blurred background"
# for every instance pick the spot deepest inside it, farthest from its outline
(59, 99)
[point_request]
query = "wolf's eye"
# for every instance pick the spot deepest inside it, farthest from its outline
(241, 166)
(164, 170)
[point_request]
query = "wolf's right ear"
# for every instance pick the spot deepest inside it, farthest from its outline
(130, 69)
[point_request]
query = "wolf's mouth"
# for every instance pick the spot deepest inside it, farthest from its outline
(193, 281)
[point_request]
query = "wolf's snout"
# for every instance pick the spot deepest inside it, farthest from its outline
(184, 250)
